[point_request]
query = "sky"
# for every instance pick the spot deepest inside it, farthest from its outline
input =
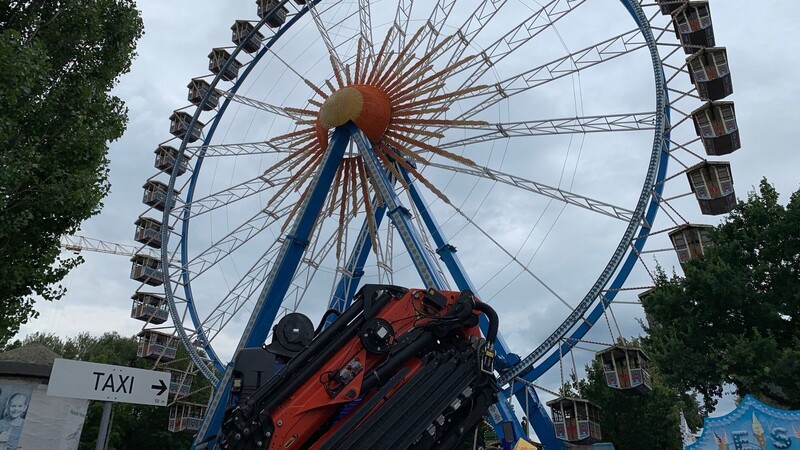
(564, 246)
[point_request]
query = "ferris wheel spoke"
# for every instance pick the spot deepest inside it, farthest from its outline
(401, 18)
(289, 113)
(225, 246)
(365, 35)
(231, 195)
(544, 190)
(234, 150)
(546, 127)
(564, 66)
(336, 61)
(248, 285)
(542, 19)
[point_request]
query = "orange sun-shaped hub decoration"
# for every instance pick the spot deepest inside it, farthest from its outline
(393, 100)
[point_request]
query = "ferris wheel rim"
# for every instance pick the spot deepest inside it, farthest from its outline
(183, 245)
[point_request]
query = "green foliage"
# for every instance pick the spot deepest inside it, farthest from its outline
(133, 426)
(634, 422)
(732, 319)
(58, 61)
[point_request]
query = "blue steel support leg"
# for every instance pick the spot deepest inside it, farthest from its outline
(280, 276)
(348, 283)
(400, 216)
(540, 421)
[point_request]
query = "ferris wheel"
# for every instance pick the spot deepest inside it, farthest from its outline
(516, 148)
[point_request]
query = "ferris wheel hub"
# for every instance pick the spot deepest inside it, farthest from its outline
(369, 107)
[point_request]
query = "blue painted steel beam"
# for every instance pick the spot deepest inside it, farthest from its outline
(354, 270)
(280, 277)
(539, 420)
(295, 245)
(201, 337)
(400, 216)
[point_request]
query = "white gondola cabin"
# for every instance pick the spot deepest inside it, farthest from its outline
(693, 26)
(146, 269)
(712, 184)
(156, 346)
(150, 308)
(668, 6)
(218, 64)
(266, 7)
(240, 30)
(180, 383)
(715, 123)
(575, 420)
(185, 416)
(179, 123)
(166, 155)
(627, 369)
(198, 88)
(689, 241)
(710, 73)
(155, 194)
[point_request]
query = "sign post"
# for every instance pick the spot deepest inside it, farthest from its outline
(104, 382)
(109, 384)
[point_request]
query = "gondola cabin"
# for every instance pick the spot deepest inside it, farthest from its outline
(575, 420)
(157, 346)
(146, 269)
(179, 123)
(712, 184)
(626, 369)
(267, 7)
(185, 416)
(689, 241)
(148, 232)
(150, 308)
(693, 27)
(198, 88)
(218, 64)
(241, 29)
(710, 73)
(180, 383)
(155, 194)
(668, 6)
(166, 155)
(715, 123)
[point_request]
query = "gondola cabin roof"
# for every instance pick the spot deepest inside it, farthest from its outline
(668, 6)
(620, 351)
(143, 220)
(155, 184)
(142, 295)
(150, 333)
(571, 400)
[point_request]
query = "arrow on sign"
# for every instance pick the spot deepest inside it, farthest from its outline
(161, 387)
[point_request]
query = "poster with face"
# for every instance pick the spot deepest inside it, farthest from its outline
(14, 401)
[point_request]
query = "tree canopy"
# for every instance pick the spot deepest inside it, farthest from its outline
(732, 318)
(58, 61)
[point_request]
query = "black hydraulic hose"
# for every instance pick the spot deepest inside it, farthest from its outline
(494, 321)
(325, 319)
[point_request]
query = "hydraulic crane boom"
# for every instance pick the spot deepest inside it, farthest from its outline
(399, 369)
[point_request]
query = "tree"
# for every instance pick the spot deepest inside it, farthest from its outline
(133, 426)
(732, 318)
(58, 61)
(633, 422)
